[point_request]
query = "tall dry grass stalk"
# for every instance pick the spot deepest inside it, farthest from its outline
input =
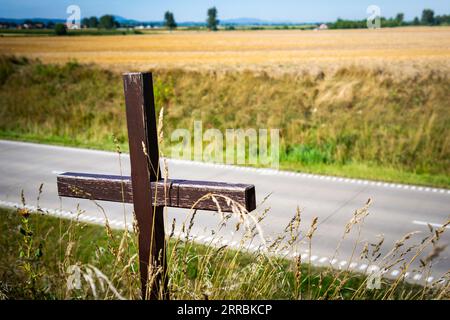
(217, 271)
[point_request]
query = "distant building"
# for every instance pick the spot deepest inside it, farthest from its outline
(323, 26)
(72, 26)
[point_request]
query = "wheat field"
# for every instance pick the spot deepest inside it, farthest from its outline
(369, 104)
(404, 50)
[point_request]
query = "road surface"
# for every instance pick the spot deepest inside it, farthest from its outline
(395, 210)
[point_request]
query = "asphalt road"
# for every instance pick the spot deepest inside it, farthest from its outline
(395, 210)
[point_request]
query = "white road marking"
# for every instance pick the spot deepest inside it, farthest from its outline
(363, 266)
(373, 268)
(423, 223)
(176, 233)
(263, 171)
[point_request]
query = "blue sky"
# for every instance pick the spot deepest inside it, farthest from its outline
(195, 10)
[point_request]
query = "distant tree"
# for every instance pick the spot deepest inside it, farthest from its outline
(60, 29)
(446, 19)
(442, 20)
(427, 17)
(399, 18)
(169, 20)
(107, 22)
(85, 22)
(349, 24)
(416, 21)
(93, 22)
(212, 21)
(50, 25)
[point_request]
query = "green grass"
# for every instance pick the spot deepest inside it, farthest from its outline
(354, 122)
(38, 252)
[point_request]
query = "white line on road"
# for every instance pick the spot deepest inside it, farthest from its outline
(262, 171)
(395, 273)
(423, 223)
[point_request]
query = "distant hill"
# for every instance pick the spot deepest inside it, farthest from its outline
(123, 20)
(243, 21)
(42, 20)
(132, 22)
(255, 21)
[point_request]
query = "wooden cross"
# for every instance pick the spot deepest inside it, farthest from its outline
(147, 190)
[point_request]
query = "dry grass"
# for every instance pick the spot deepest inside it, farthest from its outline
(48, 258)
(354, 122)
(405, 50)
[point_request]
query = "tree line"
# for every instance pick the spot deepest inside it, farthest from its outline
(104, 22)
(109, 22)
(428, 18)
(211, 22)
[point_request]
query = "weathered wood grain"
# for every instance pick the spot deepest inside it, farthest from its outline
(144, 160)
(172, 193)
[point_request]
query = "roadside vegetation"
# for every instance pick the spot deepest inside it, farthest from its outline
(353, 122)
(44, 257)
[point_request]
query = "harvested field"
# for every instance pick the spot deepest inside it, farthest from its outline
(404, 50)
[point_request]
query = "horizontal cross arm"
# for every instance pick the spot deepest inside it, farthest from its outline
(170, 193)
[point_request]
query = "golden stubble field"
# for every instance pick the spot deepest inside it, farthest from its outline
(401, 49)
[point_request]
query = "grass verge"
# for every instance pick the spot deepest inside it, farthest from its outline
(44, 257)
(356, 123)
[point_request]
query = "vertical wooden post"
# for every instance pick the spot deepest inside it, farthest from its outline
(144, 158)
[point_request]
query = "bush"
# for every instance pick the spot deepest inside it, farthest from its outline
(60, 29)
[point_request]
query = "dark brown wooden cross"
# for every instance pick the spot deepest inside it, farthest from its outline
(147, 190)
